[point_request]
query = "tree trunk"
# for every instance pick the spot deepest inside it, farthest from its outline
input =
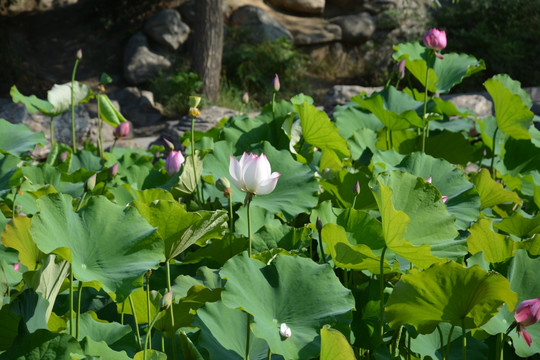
(208, 47)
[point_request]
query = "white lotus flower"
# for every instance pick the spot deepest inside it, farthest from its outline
(285, 331)
(253, 174)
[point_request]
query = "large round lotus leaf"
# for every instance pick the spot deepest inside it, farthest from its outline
(295, 191)
(16, 139)
(291, 290)
(334, 346)
(523, 276)
(430, 221)
(43, 344)
(104, 242)
(447, 292)
(463, 200)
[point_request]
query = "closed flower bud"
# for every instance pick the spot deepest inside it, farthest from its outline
(400, 69)
(122, 130)
(90, 184)
(16, 266)
(166, 301)
(318, 224)
(113, 170)
(356, 188)
(79, 54)
(527, 313)
(275, 83)
(285, 331)
(435, 39)
(194, 101)
(63, 156)
(245, 98)
(169, 144)
(223, 183)
(174, 162)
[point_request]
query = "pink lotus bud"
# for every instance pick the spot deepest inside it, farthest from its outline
(285, 331)
(400, 69)
(356, 188)
(435, 39)
(113, 170)
(444, 198)
(16, 267)
(174, 162)
(527, 313)
(245, 98)
(429, 180)
(169, 144)
(253, 174)
(275, 83)
(90, 184)
(79, 54)
(122, 130)
(166, 300)
(63, 156)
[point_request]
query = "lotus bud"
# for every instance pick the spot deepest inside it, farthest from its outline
(194, 101)
(174, 162)
(527, 313)
(222, 183)
(356, 188)
(169, 144)
(400, 69)
(444, 198)
(318, 224)
(78, 56)
(435, 39)
(285, 331)
(275, 83)
(429, 180)
(90, 184)
(16, 266)
(63, 156)
(113, 170)
(122, 130)
(245, 98)
(166, 300)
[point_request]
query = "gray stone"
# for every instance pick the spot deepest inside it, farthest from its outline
(141, 64)
(341, 94)
(261, 26)
(138, 106)
(355, 28)
(312, 7)
(347, 5)
(316, 33)
(208, 119)
(479, 103)
(167, 28)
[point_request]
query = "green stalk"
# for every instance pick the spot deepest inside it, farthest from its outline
(71, 300)
(463, 340)
(381, 282)
(396, 340)
(269, 354)
(231, 220)
(52, 130)
(441, 339)
(449, 342)
(196, 178)
(491, 167)
(73, 105)
(500, 346)
(274, 105)
(149, 332)
(169, 288)
(148, 304)
(425, 102)
(135, 319)
(247, 336)
(408, 339)
(249, 231)
(78, 310)
(122, 313)
(113, 144)
(100, 122)
(323, 255)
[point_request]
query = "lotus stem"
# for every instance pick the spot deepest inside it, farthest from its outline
(71, 300)
(149, 332)
(424, 132)
(269, 354)
(247, 336)
(249, 230)
(323, 256)
(169, 288)
(441, 340)
(73, 106)
(79, 290)
(100, 123)
(449, 342)
(381, 282)
(492, 167)
(122, 313)
(463, 340)
(52, 131)
(231, 223)
(195, 177)
(136, 322)
(148, 304)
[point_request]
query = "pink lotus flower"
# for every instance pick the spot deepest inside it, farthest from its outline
(174, 162)
(16, 266)
(527, 313)
(275, 83)
(444, 197)
(435, 39)
(122, 130)
(253, 174)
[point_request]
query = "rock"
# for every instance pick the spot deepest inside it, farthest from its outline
(209, 118)
(141, 64)
(311, 7)
(46, 5)
(355, 28)
(341, 94)
(167, 28)
(260, 25)
(138, 106)
(316, 33)
(479, 103)
(347, 5)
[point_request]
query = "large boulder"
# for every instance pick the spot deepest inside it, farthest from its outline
(141, 64)
(356, 28)
(260, 25)
(138, 106)
(316, 33)
(311, 7)
(167, 29)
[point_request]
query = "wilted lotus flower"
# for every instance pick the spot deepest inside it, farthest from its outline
(527, 313)
(253, 174)
(174, 162)
(285, 331)
(122, 130)
(275, 83)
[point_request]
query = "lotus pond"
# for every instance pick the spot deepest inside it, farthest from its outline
(402, 228)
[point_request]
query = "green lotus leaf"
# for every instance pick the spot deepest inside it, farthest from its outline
(284, 292)
(523, 277)
(138, 297)
(491, 192)
(32, 308)
(60, 96)
(43, 344)
(17, 139)
(521, 156)
(150, 355)
(17, 236)
(520, 224)
(101, 350)
(108, 112)
(496, 247)
(512, 113)
(104, 242)
(180, 229)
(462, 150)
(9, 331)
(32, 103)
(395, 224)
(463, 201)
(334, 346)
(339, 189)
(350, 119)
(223, 333)
(447, 292)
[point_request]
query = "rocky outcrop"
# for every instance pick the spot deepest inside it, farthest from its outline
(141, 64)
(259, 25)
(166, 28)
(311, 7)
(356, 28)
